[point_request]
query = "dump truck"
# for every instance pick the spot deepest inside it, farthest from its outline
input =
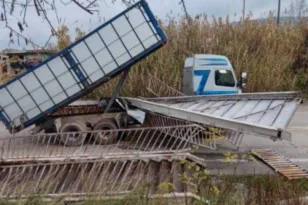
(45, 97)
(108, 51)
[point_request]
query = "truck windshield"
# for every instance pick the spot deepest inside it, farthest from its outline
(224, 78)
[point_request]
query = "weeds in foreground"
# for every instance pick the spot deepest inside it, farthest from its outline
(212, 189)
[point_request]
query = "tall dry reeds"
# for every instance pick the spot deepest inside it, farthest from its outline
(275, 57)
(267, 52)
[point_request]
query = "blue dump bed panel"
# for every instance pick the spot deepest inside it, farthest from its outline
(73, 72)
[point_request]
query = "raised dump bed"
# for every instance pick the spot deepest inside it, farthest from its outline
(104, 53)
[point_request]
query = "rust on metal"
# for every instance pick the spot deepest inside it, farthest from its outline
(280, 164)
(78, 110)
(83, 107)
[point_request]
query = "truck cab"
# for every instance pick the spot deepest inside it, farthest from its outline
(210, 75)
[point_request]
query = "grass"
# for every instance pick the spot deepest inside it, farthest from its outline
(212, 190)
(274, 57)
(269, 189)
(6, 77)
(216, 190)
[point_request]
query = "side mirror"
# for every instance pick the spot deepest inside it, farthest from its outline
(244, 80)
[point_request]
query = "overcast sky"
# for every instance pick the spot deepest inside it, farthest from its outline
(39, 31)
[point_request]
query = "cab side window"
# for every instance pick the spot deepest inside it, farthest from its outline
(224, 78)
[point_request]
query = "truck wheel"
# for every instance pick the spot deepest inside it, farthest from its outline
(52, 135)
(73, 139)
(51, 129)
(105, 137)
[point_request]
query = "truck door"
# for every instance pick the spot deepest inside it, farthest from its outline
(224, 82)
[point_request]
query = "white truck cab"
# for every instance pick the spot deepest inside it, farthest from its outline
(210, 75)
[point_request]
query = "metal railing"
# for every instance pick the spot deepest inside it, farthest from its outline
(208, 138)
(101, 177)
(159, 88)
(204, 138)
(93, 143)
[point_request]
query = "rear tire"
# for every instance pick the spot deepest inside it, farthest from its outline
(105, 137)
(52, 135)
(51, 129)
(73, 139)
